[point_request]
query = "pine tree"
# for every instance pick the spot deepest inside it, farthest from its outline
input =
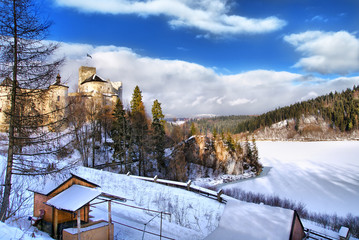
(119, 134)
(139, 133)
(193, 130)
(158, 134)
(136, 101)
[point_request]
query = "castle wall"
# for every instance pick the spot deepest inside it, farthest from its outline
(54, 100)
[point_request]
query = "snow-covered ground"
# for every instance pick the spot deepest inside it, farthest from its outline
(322, 175)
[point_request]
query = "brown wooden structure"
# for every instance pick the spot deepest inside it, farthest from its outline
(67, 205)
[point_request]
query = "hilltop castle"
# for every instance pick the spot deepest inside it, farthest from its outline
(56, 96)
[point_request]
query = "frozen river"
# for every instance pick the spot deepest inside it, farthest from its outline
(322, 175)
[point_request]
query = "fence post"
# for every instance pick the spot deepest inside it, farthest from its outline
(189, 185)
(155, 178)
(219, 193)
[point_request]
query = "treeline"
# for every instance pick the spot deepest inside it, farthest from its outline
(220, 124)
(339, 109)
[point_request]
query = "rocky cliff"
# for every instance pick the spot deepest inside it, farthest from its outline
(201, 156)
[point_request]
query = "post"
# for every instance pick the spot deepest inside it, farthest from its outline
(189, 185)
(55, 222)
(219, 193)
(109, 221)
(155, 178)
(161, 228)
(79, 224)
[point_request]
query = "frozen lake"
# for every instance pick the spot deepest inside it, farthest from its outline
(322, 175)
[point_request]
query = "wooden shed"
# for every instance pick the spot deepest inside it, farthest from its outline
(66, 206)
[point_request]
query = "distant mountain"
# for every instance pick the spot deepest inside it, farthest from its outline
(332, 116)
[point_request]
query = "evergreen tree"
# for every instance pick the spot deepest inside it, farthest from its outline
(193, 130)
(119, 134)
(139, 133)
(136, 101)
(158, 134)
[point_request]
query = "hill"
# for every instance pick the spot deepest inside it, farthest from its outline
(332, 116)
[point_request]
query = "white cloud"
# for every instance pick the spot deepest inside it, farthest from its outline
(207, 15)
(326, 52)
(188, 89)
(241, 101)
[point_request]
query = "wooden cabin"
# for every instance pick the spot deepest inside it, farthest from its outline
(67, 206)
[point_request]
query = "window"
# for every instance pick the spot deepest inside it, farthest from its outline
(58, 98)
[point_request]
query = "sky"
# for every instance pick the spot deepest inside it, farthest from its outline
(211, 57)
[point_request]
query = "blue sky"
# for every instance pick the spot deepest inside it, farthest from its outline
(212, 56)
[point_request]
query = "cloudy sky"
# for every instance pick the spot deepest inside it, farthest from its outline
(220, 57)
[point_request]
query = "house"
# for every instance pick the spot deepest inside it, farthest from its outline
(242, 220)
(62, 210)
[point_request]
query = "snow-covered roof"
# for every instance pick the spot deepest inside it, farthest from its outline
(94, 78)
(116, 85)
(50, 184)
(74, 198)
(343, 232)
(242, 220)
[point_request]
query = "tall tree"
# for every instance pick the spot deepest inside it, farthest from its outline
(158, 134)
(120, 134)
(139, 127)
(24, 59)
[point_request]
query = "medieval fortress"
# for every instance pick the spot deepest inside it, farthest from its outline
(91, 88)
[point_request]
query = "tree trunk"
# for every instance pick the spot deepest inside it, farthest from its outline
(7, 191)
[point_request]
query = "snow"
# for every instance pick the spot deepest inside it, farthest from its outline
(8, 232)
(343, 232)
(241, 220)
(310, 172)
(73, 198)
(323, 175)
(84, 229)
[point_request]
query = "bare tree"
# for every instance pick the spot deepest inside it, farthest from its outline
(24, 60)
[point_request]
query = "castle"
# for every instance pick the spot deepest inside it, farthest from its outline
(56, 97)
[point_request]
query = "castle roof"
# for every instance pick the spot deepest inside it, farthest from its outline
(94, 78)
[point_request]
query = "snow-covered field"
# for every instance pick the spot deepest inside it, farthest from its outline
(322, 175)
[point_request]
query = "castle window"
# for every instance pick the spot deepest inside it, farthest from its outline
(58, 98)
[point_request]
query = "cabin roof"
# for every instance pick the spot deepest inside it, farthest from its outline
(50, 187)
(74, 198)
(242, 220)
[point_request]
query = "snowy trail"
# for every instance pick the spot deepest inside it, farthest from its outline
(322, 175)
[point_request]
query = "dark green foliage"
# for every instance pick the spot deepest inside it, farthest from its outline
(158, 134)
(219, 124)
(120, 134)
(340, 109)
(193, 130)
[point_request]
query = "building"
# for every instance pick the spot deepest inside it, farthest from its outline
(62, 209)
(242, 220)
(55, 99)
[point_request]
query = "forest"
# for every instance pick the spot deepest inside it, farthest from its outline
(340, 109)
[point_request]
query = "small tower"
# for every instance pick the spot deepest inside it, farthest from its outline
(58, 79)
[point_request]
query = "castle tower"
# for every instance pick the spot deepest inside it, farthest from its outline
(85, 73)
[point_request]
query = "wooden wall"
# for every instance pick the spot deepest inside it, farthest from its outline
(297, 228)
